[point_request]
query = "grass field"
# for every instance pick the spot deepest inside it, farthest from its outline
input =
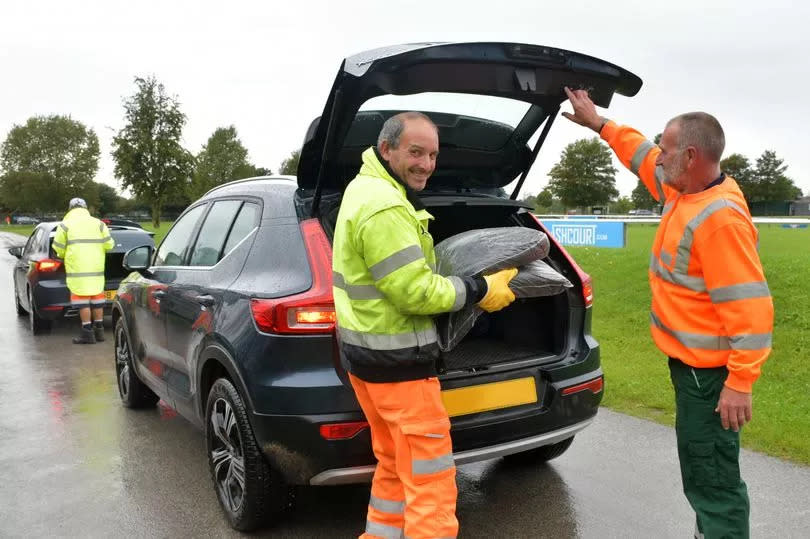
(636, 373)
(160, 231)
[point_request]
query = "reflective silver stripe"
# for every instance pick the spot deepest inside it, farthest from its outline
(101, 226)
(80, 302)
(387, 506)
(754, 341)
(666, 258)
(439, 464)
(687, 281)
(751, 341)
(356, 291)
(667, 207)
(461, 293)
(97, 240)
(641, 152)
(659, 182)
(379, 341)
(740, 291)
(59, 245)
(396, 261)
(63, 227)
(383, 530)
(685, 246)
(87, 274)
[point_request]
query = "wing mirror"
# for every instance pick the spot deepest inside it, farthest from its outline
(138, 259)
(16, 251)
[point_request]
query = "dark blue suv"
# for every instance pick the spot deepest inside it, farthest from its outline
(231, 319)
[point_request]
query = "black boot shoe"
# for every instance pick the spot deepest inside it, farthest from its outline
(98, 331)
(85, 336)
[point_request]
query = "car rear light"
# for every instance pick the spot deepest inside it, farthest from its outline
(594, 386)
(587, 286)
(48, 265)
(312, 311)
(342, 431)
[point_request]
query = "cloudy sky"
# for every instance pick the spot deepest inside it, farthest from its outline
(266, 67)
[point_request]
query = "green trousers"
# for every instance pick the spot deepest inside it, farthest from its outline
(709, 455)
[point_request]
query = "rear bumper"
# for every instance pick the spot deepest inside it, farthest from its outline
(52, 299)
(363, 474)
(293, 444)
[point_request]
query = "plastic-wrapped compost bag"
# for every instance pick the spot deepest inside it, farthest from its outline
(484, 251)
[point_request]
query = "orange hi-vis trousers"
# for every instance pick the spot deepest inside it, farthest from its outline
(413, 493)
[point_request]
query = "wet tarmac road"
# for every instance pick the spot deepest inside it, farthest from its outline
(75, 463)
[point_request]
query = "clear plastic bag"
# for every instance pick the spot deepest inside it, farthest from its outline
(478, 252)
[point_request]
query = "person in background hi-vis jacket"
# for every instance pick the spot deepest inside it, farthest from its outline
(712, 312)
(83, 241)
(386, 292)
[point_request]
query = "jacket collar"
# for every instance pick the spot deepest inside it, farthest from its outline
(76, 212)
(375, 165)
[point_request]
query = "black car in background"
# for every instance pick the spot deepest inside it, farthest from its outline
(40, 291)
(231, 321)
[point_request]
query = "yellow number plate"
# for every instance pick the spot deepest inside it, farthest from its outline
(109, 295)
(485, 397)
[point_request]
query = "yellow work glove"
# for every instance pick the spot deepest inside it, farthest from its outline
(498, 293)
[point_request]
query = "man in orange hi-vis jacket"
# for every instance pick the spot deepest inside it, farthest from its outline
(712, 312)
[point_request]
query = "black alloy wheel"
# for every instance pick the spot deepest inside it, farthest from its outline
(250, 492)
(37, 324)
(133, 392)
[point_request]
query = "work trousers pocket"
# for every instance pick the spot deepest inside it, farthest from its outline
(431, 450)
(714, 464)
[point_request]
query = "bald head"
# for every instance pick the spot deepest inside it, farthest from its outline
(701, 131)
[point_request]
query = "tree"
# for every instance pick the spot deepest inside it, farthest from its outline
(642, 198)
(289, 166)
(222, 159)
(584, 176)
(739, 167)
(771, 181)
(621, 205)
(262, 171)
(56, 146)
(108, 199)
(31, 192)
(149, 158)
(529, 199)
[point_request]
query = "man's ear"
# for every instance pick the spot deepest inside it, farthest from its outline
(385, 150)
(692, 154)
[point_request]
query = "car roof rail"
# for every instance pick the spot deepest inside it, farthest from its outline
(252, 178)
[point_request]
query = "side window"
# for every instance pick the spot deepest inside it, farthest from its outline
(245, 222)
(33, 242)
(213, 232)
(175, 245)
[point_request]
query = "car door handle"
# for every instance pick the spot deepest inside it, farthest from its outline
(205, 300)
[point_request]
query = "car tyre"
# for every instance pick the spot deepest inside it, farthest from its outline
(134, 393)
(20, 311)
(37, 324)
(540, 454)
(250, 492)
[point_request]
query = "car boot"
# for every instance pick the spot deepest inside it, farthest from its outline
(85, 336)
(98, 331)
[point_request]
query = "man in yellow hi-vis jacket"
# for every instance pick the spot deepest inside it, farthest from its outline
(386, 292)
(83, 241)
